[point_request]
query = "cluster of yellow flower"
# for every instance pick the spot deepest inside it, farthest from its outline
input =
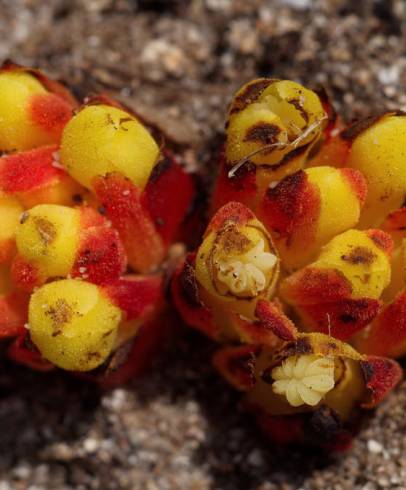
(307, 227)
(83, 213)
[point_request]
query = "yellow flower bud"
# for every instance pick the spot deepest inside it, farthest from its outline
(73, 324)
(16, 129)
(355, 264)
(341, 197)
(339, 292)
(379, 153)
(48, 237)
(30, 115)
(360, 259)
(273, 123)
(301, 211)
(102, 139)
(235, 266)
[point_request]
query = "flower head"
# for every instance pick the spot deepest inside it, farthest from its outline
(269, 119)
(237, 259)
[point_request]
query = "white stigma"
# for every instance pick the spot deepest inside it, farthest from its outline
(246, 274)
(304, 380)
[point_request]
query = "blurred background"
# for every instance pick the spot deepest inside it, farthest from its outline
(178, 62)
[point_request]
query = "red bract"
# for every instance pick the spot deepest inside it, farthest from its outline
(186, 298)
(156, 213)
(387, 334)
(136, 296)
(35, 177)
(13, 313)
(23, 352)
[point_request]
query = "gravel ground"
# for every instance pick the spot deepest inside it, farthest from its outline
(180, 427)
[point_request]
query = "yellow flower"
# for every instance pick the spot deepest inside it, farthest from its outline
(101, 139)
(379, 153)
(268, 119)
(73, 324)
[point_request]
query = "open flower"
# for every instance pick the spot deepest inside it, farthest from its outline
(234, 267)
(236, 259)
(245, 275)
(310, 382)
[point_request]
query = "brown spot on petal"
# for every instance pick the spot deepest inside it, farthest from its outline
(232, 241)
(296, 103)
(263, 132)
(46, 230)
(60, 313)
(250, 94)
(360, 126)
(359, 255)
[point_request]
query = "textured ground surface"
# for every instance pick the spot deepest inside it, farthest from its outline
(180, 426)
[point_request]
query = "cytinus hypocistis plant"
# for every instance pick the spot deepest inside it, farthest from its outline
(88, 200)
(333, 262)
